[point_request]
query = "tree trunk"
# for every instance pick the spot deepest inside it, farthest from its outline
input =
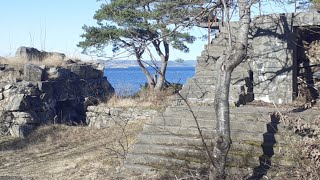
(162, 76)
(221, 105)
(225, 65)
(164, 62)
(151, 82)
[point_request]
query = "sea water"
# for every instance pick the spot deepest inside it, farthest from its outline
(127, 81)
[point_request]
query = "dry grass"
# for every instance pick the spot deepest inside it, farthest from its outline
(18, 63)
(304, 141)
(64, 152)
(144, 98)
(117, 101)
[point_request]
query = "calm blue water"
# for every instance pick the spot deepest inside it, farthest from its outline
(127, 81)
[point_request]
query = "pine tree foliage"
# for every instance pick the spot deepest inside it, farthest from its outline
(140, 25)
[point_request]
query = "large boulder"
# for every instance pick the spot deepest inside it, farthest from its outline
(29, 54)
(85, 71)
(32, 73)
(33, 54)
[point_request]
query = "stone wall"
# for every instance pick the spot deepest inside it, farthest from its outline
(37, 95)
(273, 54)
(271, 58)
(103, 116)
(271, 69)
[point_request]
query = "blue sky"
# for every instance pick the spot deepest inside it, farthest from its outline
(55, 25)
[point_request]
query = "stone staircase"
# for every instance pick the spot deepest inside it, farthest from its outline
(201, 87)
(171, 142)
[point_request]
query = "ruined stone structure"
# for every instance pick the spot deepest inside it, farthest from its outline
(172, 141)
(103, 116)
(34, 95)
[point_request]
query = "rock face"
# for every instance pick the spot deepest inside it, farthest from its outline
(33, 54)
(42, 95)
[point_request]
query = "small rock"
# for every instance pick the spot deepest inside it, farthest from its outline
(21, 131)
(14, 102)
(8, 86)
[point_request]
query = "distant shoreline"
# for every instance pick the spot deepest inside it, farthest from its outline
(132, 63)
(128, 67)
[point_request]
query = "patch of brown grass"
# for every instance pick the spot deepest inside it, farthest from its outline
(118, 101)
(144, 98)
(67, 152)
(18, 63)
(305, 146)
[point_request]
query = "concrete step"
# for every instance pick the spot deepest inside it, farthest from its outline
(176, 157)
(149, 164)
(189, 122)
(191, 137)
(213, 53)
(215, 49)
(193, 132)
(197, 155)
(206, 73)
(191, 154)
(205, 60)
(201, 80)
(257, 148)
(184, 113)
(233, 27)
(220, 41)
(196, 86)
(200, 95)
(224, 35)
(171, 140)
(205, 67)
(198, 90)
(252, 113)
(161, 162)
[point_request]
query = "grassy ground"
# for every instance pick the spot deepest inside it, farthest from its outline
(64, 152)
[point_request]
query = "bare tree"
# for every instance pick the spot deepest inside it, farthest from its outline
(235, 54)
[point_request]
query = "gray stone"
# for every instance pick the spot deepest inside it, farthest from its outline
(56, 73)
(14, 102)
(29, 54)
(85, 71)
(101, 116)
(21, 131)
(32, 72)
(8, 86)
(53, 56)
(33, 54)
(22, 118)
(43, 95)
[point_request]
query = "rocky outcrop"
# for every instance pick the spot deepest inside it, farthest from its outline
(41, 95)
(33, 54)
